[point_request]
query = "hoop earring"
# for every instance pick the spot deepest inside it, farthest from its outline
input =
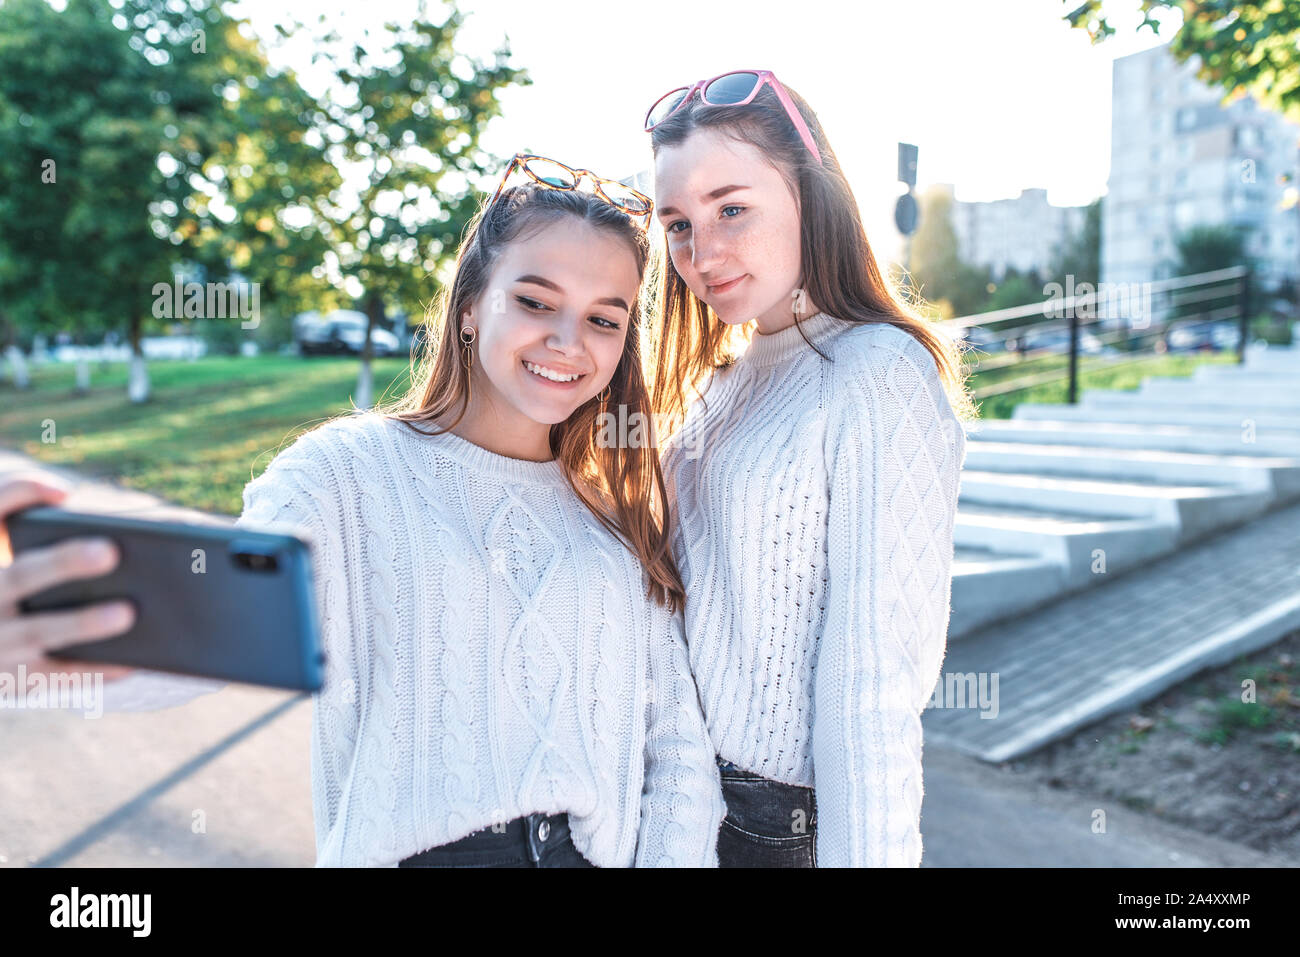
(467, 336)
(798, 302)
(604, 395)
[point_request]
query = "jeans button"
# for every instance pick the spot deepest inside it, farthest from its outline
(544, 830)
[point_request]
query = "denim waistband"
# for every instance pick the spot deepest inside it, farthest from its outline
(736, 771)
(534, 835)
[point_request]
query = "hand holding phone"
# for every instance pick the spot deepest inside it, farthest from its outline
(234, 602)
(25, 637)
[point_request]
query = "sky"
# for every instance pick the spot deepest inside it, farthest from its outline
(998, 96)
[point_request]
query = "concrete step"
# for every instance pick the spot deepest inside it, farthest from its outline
(1219, 374)
(1194, 397)
(1285, 358)
(1061, 495)
(1279, 423)
(1278, 476)
(988, 586)
(1082, 545)
(1254, 392)
(1193, 510)
(1216, 440)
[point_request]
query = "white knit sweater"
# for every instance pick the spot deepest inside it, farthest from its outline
(816, 504)
(491, 653)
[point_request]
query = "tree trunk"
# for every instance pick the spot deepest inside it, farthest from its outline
(365, 377)
(18, 365)
(82, 363)
(14, 355)
(137, 385)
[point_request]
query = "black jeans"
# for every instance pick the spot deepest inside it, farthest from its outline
(538, 840)
(768, 823)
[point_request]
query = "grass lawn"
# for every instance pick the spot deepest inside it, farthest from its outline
(1095, 372)
(213, 424)
(209, 427)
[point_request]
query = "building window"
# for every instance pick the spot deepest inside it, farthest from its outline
(1180, 179)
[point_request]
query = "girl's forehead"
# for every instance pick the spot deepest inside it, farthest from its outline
(576, 258)
(692, 170)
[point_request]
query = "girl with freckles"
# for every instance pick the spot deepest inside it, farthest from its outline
(814, 460)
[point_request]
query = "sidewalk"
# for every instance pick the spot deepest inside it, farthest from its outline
(1123, 642)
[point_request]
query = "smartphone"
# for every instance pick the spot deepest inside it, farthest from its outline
(211, 601)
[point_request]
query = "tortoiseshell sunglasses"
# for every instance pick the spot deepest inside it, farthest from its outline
(556, 175)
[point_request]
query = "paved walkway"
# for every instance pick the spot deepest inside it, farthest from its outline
(1121, 643)
(224, 780)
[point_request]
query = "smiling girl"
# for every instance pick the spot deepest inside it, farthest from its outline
(816, 484)
(506, 679)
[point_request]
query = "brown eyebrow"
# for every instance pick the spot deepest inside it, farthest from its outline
(716, 194)
(547, 284)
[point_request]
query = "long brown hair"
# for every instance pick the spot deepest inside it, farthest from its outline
(840, 273)
(622, 487)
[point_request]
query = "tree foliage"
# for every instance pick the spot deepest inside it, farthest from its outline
(1245, 48)
(941, 277)
(178, 148)
(1207, 248)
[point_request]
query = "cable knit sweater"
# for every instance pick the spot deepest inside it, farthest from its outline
(490, 653)
(816, 504)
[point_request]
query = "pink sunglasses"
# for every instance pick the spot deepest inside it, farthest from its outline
(735, 88)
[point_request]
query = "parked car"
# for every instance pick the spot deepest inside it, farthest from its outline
(985, 340)
(341, 332)
(1058, 340)
(1203, 337)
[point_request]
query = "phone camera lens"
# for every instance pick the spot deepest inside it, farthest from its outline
(256, 562)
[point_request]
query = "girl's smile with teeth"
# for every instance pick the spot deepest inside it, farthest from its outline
(543, 372)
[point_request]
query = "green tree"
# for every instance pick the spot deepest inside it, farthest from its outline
(1245, 48)
(108, 120)
(73, 132)
(1207, 248)
(402, 112)
(1014, 289)
(934, 260)
(240, 162)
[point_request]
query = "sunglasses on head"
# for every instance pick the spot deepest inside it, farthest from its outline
(731, 89)
(556, 175)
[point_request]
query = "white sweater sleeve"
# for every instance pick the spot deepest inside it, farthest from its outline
(894, 450)
(298, 494)
(681, 801)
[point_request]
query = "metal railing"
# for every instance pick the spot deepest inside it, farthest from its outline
(1110, 325)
